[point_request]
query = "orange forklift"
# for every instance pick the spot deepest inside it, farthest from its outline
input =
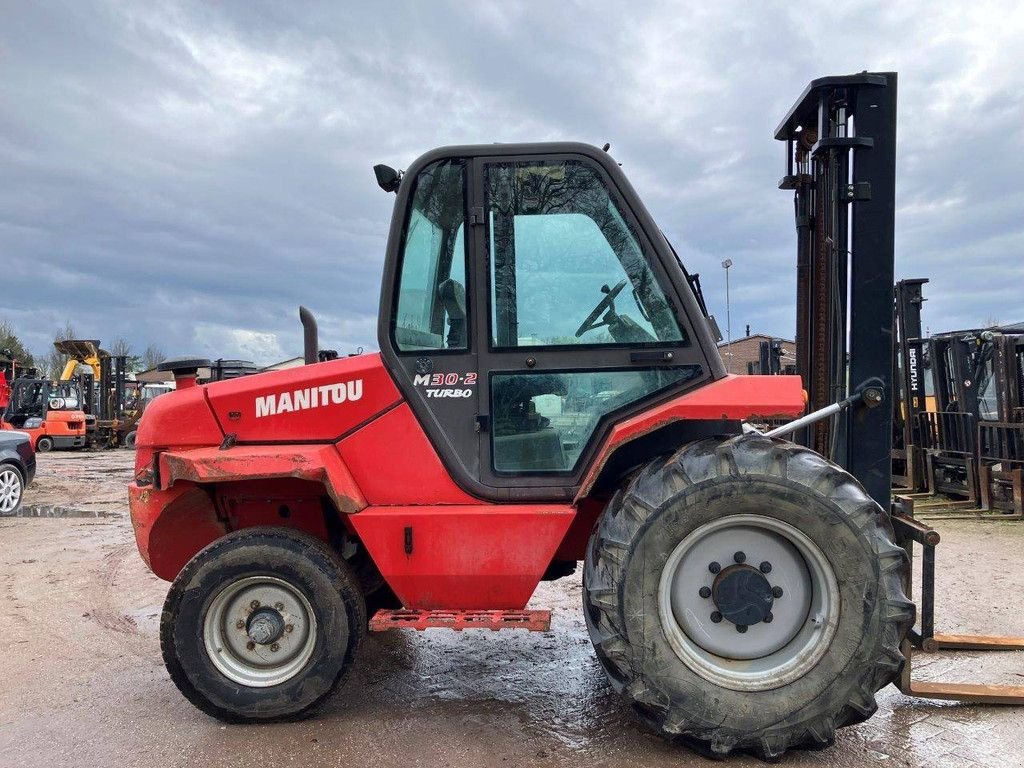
(50, 413)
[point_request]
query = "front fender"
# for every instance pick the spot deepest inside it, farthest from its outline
(733, 398)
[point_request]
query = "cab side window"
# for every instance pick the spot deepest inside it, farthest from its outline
(430, 313)
(566, 267)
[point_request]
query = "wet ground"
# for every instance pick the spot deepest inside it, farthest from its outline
(82, 683)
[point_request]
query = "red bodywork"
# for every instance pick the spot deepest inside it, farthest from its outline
(532, 621)
(269, 449)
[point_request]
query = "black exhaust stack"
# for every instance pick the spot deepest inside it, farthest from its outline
(310, 341)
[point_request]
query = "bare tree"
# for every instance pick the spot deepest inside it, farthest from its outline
(51, 363)
(123, 348)
(152, 357)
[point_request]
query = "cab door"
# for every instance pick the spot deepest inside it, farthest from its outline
(430, 345)
(575, 320)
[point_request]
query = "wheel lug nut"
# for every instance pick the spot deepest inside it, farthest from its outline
(279, 606)
(765, 567)
(705, 592)
(768, 618)
(240, 624)
(254, 604)
(274, 646)
(741, 628)
(714, 567)
(288, 627)
(716, 617)
(250, 645)
(739, 557)
(776, 591)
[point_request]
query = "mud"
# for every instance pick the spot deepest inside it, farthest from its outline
(82, 682)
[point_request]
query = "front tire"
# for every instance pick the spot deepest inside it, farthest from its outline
(746, 595)
(261, 625)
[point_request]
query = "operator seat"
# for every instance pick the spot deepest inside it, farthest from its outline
(524, 440)
(453, 298)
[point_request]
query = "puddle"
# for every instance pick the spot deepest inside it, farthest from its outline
(57, 511)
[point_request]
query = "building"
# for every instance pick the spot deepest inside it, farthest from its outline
(291, 362)
(744, 355)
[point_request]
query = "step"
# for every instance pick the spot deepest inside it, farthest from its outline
(534, 621)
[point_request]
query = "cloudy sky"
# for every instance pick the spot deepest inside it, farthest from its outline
(188, 174)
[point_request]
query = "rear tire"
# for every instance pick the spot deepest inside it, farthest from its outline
(783, 680)
(44, 444)
(261, 625)
(129, 440)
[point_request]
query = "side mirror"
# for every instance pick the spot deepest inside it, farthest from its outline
(388, 178)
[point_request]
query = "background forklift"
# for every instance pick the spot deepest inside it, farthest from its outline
(741, 592)
(974, 442)
(105, 384)
(8, 370)
(50, 412)
(914, 391)
(115, 403)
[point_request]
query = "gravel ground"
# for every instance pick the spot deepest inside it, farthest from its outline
(83, 683)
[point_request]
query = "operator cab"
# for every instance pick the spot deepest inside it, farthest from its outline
(981, 372)
(529, 301)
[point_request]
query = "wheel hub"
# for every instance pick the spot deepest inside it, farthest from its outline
(260, 631)
(748, 626)
(742, 595)
(265, 626)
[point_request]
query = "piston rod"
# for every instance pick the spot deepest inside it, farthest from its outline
(870, 394)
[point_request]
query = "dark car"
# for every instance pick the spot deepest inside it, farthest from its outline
(17, 468)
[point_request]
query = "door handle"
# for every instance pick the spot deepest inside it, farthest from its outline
(651, 357)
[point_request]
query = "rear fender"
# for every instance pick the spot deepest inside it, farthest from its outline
(172, 525)
(317, 463)
(203, 493)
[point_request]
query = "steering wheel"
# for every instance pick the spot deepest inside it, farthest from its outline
(602, 306)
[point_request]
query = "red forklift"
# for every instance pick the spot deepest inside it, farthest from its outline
(548, 392)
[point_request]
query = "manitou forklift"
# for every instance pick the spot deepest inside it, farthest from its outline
(548, 391)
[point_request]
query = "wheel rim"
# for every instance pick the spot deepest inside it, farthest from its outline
(259, 631)
(10, 490)
(44, 444)
(761, 619)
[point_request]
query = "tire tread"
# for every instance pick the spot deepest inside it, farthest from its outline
(309, 547)
(630, 510)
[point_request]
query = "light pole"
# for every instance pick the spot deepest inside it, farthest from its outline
(728, 317)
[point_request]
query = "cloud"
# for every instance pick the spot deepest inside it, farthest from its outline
(211, 340)
(187, 174)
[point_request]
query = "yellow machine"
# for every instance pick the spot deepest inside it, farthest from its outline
(80, 352)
